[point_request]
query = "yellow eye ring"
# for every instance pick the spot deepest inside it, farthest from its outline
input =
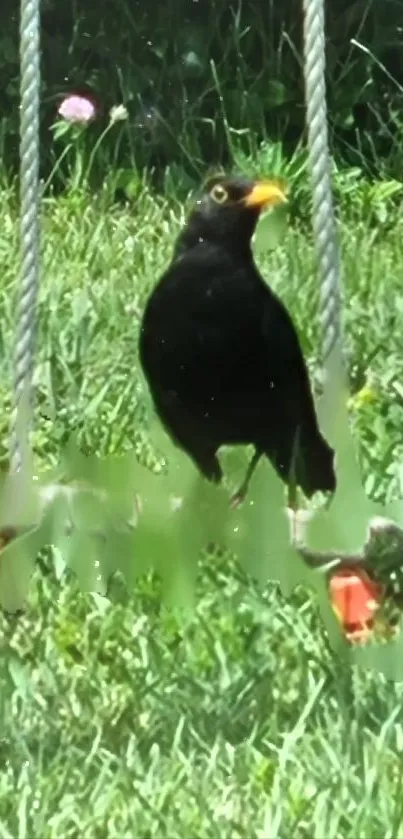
(219, 194)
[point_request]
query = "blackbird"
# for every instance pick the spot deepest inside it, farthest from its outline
(220, 352)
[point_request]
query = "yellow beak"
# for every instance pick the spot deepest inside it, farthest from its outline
(266, 194)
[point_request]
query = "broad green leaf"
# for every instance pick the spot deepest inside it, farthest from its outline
(17, 558)
(20, 503)
(16, 568)
(81, 552)
(259, 530)
(382, 658)
(344, 525)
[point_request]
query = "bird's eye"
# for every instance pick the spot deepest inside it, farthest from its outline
(219, 194)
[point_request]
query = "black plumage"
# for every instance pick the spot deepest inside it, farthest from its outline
(220, 352)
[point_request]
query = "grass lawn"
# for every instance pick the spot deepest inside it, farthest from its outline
(121, 721)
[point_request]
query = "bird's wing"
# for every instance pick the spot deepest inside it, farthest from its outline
(281, 339)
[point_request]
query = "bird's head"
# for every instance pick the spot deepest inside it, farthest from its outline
(228, 210)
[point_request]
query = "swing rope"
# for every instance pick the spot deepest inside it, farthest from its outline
(29, 230)
(382, 533)
(323, 218)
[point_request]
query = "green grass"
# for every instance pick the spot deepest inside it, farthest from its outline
(122, 720)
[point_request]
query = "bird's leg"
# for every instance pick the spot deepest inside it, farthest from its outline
(292, 496)
(242, 492)
(292, 488)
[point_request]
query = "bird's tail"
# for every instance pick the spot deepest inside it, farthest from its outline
(313, 464)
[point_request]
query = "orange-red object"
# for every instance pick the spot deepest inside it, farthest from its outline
(355, 599)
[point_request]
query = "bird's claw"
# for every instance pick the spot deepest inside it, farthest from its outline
(236, 499)
(292, 499)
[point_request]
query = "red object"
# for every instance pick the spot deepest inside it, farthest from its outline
(355, 599)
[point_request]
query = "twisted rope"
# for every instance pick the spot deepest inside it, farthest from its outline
(29, 227)
(323, 219)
